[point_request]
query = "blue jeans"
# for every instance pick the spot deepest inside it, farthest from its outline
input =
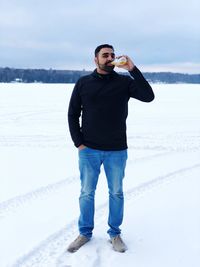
(114, 162)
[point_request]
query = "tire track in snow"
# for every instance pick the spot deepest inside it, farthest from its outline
(28, 141)
(49, 253)
(166, 142)
(13, 204)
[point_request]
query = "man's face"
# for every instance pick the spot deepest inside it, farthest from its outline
(104, 58)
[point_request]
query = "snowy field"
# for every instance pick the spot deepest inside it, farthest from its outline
(39, 181)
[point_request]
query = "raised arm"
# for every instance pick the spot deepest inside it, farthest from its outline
(139, 87)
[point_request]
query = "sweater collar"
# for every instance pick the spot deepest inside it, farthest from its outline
(104, 76)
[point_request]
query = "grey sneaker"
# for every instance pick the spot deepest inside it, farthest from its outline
(118, 244)
(77, 243)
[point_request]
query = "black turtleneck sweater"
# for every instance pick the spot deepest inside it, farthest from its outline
(102, 103)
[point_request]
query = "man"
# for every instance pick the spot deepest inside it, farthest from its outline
(101, 100)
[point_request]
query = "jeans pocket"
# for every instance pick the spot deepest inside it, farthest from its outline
(83, 149)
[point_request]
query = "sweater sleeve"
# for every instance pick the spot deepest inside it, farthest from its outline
(74, 113)
(139, 87)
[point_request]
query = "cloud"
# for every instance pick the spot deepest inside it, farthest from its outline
(64, 33)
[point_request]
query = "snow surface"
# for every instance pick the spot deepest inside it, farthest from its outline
(40, 181)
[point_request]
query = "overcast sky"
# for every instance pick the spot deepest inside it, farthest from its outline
(158, 35)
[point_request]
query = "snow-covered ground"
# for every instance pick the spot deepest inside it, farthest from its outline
(39, 181)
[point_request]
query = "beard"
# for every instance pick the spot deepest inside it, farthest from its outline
(106, 67)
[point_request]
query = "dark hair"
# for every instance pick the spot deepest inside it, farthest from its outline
(102, 46)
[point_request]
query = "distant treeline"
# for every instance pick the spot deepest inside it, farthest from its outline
(8, 75)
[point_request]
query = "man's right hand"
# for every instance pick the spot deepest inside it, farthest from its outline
(81, 147)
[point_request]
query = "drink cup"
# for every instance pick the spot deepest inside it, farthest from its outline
(119, 61)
